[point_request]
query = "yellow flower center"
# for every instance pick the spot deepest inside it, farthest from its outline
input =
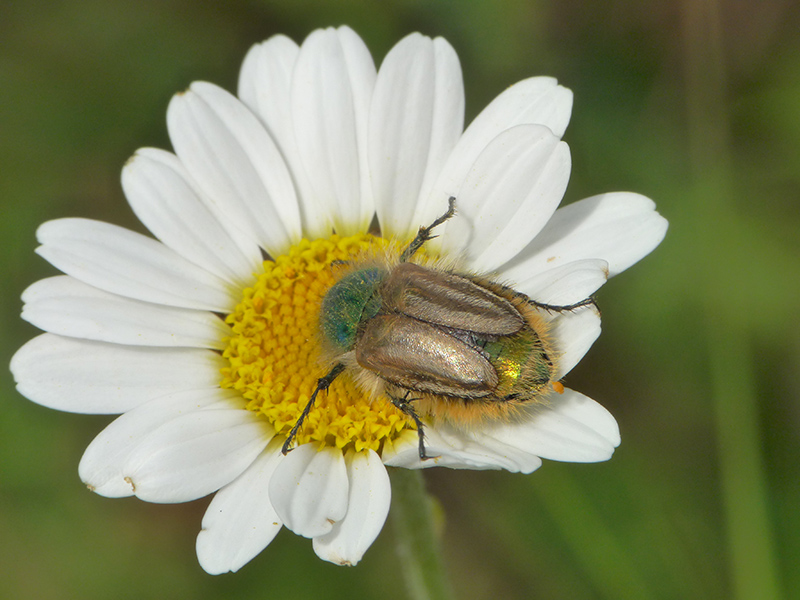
(275, 352)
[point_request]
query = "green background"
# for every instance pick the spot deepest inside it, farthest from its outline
(695, 104)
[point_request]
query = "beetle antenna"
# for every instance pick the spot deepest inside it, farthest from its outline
(424, 233)
(323, 383)
(404, 404)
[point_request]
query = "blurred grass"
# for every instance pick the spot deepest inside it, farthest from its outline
(698, 360)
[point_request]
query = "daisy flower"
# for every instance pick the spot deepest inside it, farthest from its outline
(205, 339)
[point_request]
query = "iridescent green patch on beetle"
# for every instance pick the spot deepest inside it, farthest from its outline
(351, 301)
(522, 362)
(436, 342)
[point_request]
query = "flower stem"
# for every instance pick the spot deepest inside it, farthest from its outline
(417, 543)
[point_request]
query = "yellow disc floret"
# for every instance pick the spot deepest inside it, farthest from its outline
(275, 352)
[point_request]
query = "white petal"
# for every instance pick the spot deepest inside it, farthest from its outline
(539, 100)
(94, 377)
(569, 427)
(167, 201)
(510, 193)
(620, 228)
(130, 264)
(331, 89)
(195, 454)
(504, 454)
(416, 118)
(566, 284)
(265, 83)
(573, 333)
(265, 87)
(457, 449)
(240, 521)
(101, 467)
(367, 508)
(236, 164)
(309, 490)
(68, 307)
(566, 427)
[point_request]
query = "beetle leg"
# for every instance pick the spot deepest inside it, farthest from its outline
(404, 404)
(323, 383)
(563, 308)
(424, 233)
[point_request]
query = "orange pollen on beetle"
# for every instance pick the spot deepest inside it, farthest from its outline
(275, 355)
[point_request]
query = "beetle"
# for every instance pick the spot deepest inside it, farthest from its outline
(435, 341)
